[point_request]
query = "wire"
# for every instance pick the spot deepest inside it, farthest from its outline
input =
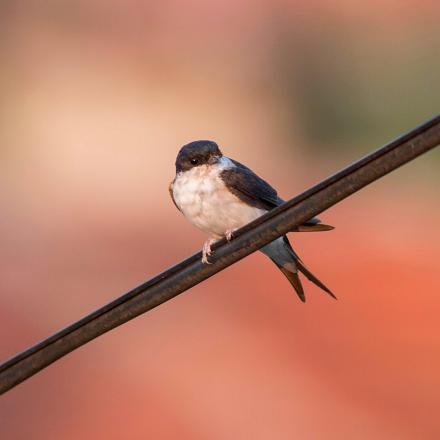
(248, 239)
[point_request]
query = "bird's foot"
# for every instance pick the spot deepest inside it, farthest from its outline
(206, 250)
(229, 234)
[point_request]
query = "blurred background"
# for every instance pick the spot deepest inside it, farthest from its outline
(97, 98)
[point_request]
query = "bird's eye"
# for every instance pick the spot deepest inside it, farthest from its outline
(194, 161)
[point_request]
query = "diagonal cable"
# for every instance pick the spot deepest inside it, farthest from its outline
(248, 239)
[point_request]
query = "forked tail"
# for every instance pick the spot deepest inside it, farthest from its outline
(281, 253)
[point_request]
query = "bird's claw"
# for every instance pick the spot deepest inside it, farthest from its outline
(205, 260)
(206, 251)
(229, 234)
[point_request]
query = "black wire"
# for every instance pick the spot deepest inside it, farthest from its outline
(248, 239)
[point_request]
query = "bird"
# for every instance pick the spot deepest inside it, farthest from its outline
(219, 195)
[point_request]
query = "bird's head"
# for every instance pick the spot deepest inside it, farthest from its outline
(197, 153)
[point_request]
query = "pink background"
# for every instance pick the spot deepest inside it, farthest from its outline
(97, 98)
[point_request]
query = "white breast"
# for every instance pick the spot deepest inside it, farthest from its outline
(205, 201)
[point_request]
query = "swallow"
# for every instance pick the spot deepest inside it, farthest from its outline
(220, 195)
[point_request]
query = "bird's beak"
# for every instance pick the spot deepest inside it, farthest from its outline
(213, 160)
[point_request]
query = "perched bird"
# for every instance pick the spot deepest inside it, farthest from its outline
(219, 195)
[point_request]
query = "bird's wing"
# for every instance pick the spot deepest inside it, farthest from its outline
(313, 225)
(255, 191)
(249, 187)
(170, 189)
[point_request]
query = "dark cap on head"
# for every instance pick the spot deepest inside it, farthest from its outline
(197, 153)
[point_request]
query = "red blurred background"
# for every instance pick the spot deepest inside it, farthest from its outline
(97, 98)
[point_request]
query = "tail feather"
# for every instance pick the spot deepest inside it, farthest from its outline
(294, 281)
(281, 253)
(302, 268)
(313, 279)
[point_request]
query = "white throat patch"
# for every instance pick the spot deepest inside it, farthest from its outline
(204, 199)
